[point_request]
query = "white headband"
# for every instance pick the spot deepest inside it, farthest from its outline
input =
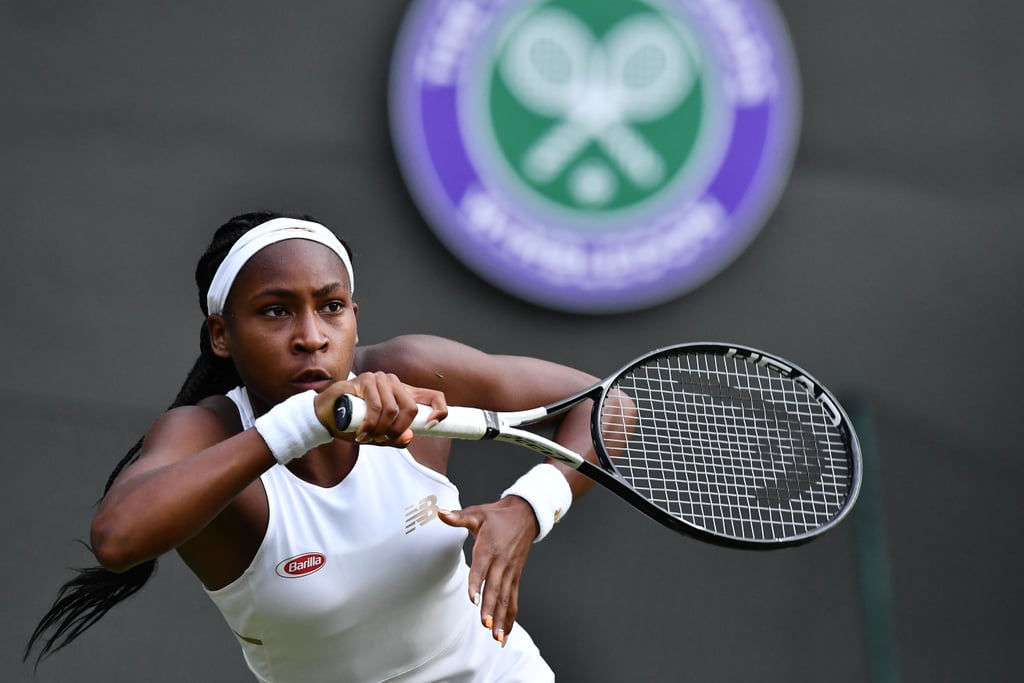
(263, 235)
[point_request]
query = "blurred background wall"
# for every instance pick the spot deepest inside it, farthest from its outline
(890, 270)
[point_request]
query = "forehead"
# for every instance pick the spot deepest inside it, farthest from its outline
(294, 261)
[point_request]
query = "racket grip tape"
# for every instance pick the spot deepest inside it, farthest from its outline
(461, 423)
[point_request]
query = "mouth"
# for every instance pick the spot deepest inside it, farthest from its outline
(312, 379)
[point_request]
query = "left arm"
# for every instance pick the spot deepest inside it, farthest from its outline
(504, 530)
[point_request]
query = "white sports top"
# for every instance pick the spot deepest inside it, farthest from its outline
(362, 582)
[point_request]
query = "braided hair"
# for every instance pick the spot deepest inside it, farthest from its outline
(89, 595)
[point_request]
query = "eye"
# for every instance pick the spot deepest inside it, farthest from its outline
(274, 311)
(334, 306)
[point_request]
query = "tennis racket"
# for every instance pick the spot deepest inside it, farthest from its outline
(722, 442)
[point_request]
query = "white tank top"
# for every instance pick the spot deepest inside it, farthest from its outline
(362, 582)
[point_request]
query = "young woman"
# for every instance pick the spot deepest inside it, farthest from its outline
(333, 557)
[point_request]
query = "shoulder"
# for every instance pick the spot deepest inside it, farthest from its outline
(209, 412)
(194, 427)
(182, 431)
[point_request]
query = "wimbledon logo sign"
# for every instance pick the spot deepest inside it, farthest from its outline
(595, 156)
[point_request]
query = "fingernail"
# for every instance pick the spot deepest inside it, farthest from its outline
(362, 437)
(488, 621)
(476, 598)
(501, 637)
(431, 424)
(505, 641)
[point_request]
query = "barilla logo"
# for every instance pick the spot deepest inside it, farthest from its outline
(301, 565)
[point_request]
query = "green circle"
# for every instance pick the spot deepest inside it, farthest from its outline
(517, 128)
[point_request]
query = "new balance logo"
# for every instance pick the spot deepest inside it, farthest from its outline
(420, 513)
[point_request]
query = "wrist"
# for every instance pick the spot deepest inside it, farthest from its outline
(547, 492)
(520, 506)
(291, 428)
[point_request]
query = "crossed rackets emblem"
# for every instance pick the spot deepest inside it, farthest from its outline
(597, 89)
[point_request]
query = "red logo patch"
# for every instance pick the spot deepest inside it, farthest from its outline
(301, 565)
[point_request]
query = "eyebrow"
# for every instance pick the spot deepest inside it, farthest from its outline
(284, 293)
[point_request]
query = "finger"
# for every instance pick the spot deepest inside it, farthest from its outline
(503, 585)
(470, 520)
(405, 439)
(479, 572)
(367, 390)
(437, 402)
(390, 409)
(487, 576)
(407, 407)
(507, 608)
(499, 602)
(459, 519)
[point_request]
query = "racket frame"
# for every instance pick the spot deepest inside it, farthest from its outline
(608, 474)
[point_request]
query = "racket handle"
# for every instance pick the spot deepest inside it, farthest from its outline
(461, 423)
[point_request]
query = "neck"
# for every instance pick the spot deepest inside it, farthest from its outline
(326, 466)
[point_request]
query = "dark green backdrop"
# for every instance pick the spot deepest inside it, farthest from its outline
(891, 270)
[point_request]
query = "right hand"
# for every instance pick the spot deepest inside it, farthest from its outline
(391, 406)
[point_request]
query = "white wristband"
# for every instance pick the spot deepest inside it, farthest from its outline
(548, 493)
(291, 428)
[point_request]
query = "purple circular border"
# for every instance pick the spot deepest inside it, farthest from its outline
(437, 170)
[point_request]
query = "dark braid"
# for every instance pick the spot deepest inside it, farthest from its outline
(87, 597)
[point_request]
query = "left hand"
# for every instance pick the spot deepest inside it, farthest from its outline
(504, 532)
(391, 406)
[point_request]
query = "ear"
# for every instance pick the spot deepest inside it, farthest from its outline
(219, 342)
(355, 313)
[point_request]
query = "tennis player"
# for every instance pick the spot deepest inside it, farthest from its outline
(332, 557)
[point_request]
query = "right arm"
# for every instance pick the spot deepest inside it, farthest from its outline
(193, 487)
(193, 464)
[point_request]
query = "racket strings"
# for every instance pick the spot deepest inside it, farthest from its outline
(726, 445)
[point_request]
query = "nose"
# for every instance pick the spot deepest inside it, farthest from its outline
(309, 334)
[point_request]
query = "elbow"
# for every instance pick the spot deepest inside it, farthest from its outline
(110, 544)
